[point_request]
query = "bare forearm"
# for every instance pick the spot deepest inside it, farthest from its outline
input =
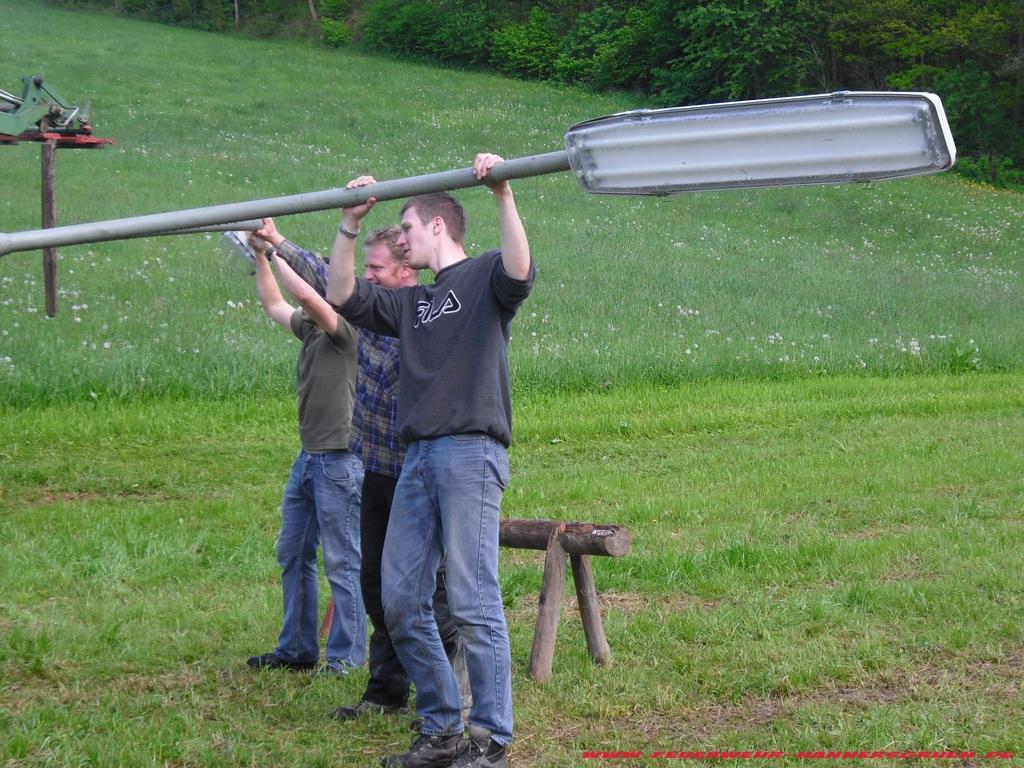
(266, 286)
(341, 273)
(300, 290)
(515, 248)
(316, 307)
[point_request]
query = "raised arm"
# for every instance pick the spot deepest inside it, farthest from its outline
(319, 311)
(279, 310)
(515, 249)
(341, 274)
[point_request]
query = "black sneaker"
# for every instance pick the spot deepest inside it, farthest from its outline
(479, 750)
(365, 707)
(426, 752)
(334, 668)
(273, 661)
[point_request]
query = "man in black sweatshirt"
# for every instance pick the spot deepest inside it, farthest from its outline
(455, 413)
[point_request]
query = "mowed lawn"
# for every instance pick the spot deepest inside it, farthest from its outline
(831, 564)
(804, 404)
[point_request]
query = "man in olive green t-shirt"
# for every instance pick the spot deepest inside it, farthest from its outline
(320, 505)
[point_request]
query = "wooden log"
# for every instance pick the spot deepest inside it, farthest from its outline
(325, 626)
(47, 155)
(542, 653)
(576, 539)
(590, 612)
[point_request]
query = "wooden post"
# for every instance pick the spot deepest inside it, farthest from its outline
(542, 653)
(47, 154)
(590, 612)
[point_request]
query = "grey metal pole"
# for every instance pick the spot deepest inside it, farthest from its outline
(162, 223)
(248, 224)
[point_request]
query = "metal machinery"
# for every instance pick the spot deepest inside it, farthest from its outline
(42, 114)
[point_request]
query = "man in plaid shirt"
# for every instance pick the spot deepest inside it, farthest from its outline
(374, 424)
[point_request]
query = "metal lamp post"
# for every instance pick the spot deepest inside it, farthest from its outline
(823, 139)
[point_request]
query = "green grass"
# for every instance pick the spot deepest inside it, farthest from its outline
(825, 555)
(818, 564)
(914, 276)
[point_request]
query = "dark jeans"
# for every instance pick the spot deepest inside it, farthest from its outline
(389, 683)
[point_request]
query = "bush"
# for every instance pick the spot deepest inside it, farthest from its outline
(608, 48)
(217, 15)
(400, 26)
(336, 34)
(990, 169)
(690, 51)
(728, 50)
(529, 49)
(335, 9)
(463, 31)
(976, 114)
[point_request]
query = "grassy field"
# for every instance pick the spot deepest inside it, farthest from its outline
(915, 276)
(807, 405)
(828, 564)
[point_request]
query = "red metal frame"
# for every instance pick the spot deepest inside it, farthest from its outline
(72, 141)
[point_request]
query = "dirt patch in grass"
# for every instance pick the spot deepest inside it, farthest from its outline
(632, 603)
(35, 497)
(953, 490)
(712, 722)
(65, 685)
(626, 603)
(181, 679)
(702, 723)
(878, 532)
(909, 570)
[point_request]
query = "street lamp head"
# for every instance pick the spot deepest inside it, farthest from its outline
(824, 139)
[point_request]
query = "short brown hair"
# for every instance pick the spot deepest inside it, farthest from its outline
(387, 236)
(440, 204)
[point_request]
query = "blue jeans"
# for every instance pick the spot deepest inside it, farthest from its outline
(447, 505)
(321, 507)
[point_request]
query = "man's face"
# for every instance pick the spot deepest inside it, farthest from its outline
(382, 269)
(416, 239)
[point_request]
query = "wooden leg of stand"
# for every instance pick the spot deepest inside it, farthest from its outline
(542, 653)
(590, 612)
